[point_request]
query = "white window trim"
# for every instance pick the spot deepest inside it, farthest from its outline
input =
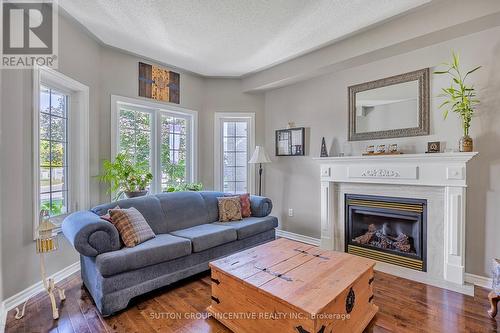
(155, 108)
(78, 139)
(218, 146)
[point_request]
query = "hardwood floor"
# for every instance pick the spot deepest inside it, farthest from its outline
(405, 306)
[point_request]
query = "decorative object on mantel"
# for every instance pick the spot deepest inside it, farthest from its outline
(433, 147)
(494, 295)
(290, 124)
(324, 151)
(381, 150)
(46, 242)
(290, 142)
(260, 156)
(461, 98)
(159, 83)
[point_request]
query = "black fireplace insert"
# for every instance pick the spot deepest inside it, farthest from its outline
(387, 229)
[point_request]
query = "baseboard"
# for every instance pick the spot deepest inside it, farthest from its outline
(23, 295)
(297, 237)
(478, 280)
(3, 317)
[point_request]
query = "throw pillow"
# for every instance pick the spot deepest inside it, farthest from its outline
(131, 226)
(107, 217)
(245, 203)
(229, 209)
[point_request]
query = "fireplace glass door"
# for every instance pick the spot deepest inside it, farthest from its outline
(387, 229)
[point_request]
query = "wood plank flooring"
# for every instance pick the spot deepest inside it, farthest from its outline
(405, 306)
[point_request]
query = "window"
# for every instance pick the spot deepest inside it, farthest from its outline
(174, 151)
(157, 133)
(135, 134)
(60, 145)
(53, 147)
(234, 142)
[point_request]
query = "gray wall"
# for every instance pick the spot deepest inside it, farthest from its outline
(107, 71)
(320, 105)
(224, 95)
(79, 57)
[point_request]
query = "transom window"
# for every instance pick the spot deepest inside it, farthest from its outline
(160, 135)
(53, 150)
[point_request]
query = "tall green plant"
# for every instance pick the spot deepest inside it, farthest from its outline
(460, 97)
(125, 176)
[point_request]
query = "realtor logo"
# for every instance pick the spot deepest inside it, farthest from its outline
(29, 33)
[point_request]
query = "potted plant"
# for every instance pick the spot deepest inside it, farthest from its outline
(126, 177)
(460, 98)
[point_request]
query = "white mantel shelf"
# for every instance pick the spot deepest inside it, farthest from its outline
(425, 157)
(445, 170)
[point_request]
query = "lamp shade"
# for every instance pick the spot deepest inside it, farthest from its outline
(259, 156)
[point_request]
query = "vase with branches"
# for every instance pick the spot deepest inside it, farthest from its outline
(125, 176)
(460, 98)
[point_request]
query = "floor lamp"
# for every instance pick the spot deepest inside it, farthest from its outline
(260, 156)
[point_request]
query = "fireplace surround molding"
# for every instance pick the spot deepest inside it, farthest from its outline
(446, 171)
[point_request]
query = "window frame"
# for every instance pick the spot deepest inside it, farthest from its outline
(77, 136)
(220, 117)
(157, 109)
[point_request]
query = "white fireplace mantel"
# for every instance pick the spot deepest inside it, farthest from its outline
(445, 170)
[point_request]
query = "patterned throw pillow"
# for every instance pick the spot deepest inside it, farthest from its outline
(245, 203)
(229, 209)
(131, 225)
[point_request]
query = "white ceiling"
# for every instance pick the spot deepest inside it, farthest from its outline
(228, 37)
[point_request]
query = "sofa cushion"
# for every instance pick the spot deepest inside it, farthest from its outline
(183, 209)
(148, 206)
(206, 236)
(251, 225)
(162, 248)
(212, 203)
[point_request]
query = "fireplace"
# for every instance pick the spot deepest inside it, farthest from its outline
(387, 229)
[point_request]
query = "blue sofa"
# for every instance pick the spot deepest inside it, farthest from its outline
(188, 237)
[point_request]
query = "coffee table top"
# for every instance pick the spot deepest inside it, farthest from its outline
(302, 275)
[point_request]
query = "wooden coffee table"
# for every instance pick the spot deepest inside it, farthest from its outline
(287, 286)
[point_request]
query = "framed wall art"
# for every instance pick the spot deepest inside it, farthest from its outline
(290, 142)
(159, 83)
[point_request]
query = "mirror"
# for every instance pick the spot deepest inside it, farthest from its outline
(393, 107)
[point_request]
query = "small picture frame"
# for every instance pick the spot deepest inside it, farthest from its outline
(290, 142)
(434, 147)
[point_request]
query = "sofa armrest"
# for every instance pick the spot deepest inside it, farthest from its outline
(89, 234)
(260, 206)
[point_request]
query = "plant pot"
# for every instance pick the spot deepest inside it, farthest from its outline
(466, 144)
(134, 194)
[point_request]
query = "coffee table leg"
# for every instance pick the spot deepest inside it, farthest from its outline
(494, 298)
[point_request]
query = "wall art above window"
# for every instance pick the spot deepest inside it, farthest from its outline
(159, 83)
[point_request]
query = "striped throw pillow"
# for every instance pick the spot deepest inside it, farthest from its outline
(131, 226)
